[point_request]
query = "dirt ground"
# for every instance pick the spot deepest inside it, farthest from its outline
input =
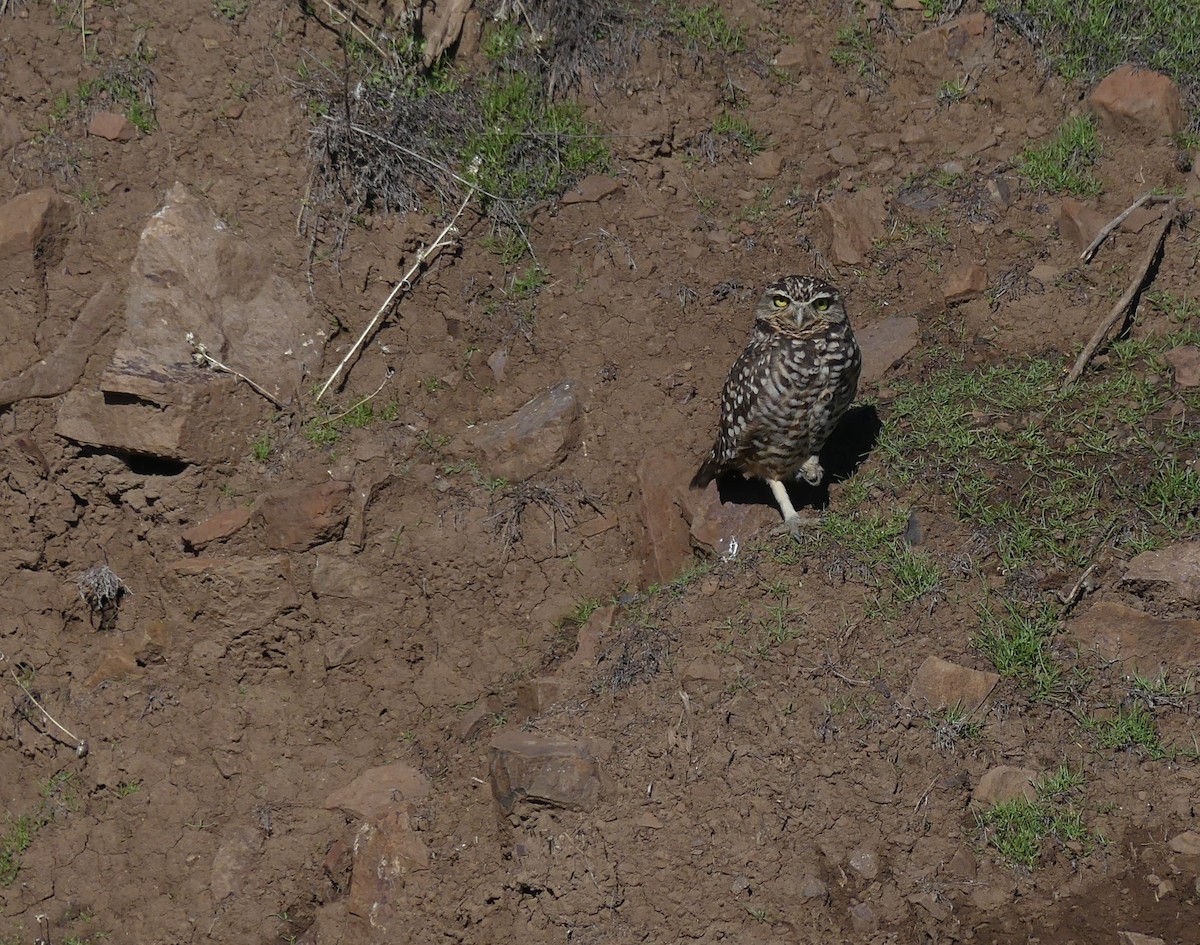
(789, 795)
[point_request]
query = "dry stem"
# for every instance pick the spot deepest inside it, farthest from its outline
(402, 286)
(81, 745)
(201, 356)
(1123, 303)
(1147, 197)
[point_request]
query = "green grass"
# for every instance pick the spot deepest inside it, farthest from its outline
(855, 50)
(1089, 38)
(17, 836)
(125, 86)
(1017, 641)
(1063, 164)
(260, 448)
(1130, 728)
(1020, 829)
(737, 129)
(705, 25)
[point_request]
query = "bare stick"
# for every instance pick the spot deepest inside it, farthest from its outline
(201, 356)
(371, 396)
(1123, 303)
(81, 745)
(1147, 197)
(402, 286)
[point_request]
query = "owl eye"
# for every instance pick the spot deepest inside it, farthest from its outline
(822, 304)
(779, 301)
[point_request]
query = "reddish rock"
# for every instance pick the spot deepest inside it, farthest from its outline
(884, 343)
(587, 638)
(723, 528)
(1186, 843)
(531, 769)
(940, 684)
(1139, 101)
(666, 545)
(216, 528)
(1143, 644)
(535, 696)
(30, 221)
(946, 49)
(965, 283)
(111, 126)
(1185, 365)
(853, 222)
(766, 166)
(816, 172)
(1079, 223)
(536, 438)
(844, 155)
(386, 852)
(1003, 783)
(592, 189)
(378, 790)
(299, 519)
(1173, 572)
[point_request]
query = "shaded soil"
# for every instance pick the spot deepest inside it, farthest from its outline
(785, 792)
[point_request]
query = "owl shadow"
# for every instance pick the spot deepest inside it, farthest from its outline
(847, 449)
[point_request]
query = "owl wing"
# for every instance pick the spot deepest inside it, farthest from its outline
(743, 431)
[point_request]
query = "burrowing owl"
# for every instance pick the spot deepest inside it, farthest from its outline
(787, 391)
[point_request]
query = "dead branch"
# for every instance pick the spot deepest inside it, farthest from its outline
(1147, 197)
(203, 359)
(1125, 301)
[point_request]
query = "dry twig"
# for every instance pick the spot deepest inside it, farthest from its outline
(1147, 197)
(202, 358)
(79, 744)
(402, 286)
(1124, 302)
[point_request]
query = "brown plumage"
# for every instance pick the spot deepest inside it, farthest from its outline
(788, 389)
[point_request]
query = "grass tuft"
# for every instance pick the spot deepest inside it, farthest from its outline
(1063, 164)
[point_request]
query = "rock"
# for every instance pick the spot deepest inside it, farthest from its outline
(766, 166)
(1185, 365)
(441, 27)
(475, 720)
(379, 790)
(342, 578)
(386, 852)
(666, 545)
(111, 126)
(216, 528)
(811, 887)
(945, 50)
(884, 343)
(1079, 223)
(853, 222)
(299, 519)
(1139, 101)
(965, 283)
(1003, 783)
(1172, 572)
(345, 650)
(1044, 273)
(528, 769)
(192, 275)
(1186, 843)
(1138, 938)
(721, 528)
(32, 222)
(865, 863)
(534, 439)
(863, 918)
(535, 696)
(233, 861)
(816, 172)
(587, 638)
(1143, 644)
(940, 684)
(592, 189)
(931, 904)
(844, 155)
(10, 132)
(913, 134)
(441, 686)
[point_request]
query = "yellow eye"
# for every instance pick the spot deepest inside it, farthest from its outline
(821, 304)
(779, 301)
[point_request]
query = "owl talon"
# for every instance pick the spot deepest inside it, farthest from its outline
(790, 526)
(811, 472)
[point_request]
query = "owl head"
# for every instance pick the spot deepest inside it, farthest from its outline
(799, 305)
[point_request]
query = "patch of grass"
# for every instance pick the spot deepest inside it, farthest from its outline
(128, 788)
(706, 26)
(260, 448)
(230, 10)
(951, 91)
(735, 128)
(18, 835)
(1017, 641)
(1089, 38)
(126, 86)
(1130, 728)
(855, 49)
(951, 726)
(1064, 163)
(1019, 829)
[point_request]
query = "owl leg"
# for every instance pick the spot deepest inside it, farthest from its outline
(812, 472)
(791, 518)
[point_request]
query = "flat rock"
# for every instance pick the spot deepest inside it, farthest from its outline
(884, 344)
(10, 132)
(529, 769)
(1138, 938)
(535, 696)
(853, 222)
(111, 126)
(1143, 644)
(968, 282)
(299, 519)
(940, 684)
(592, 189)
(946, 49)
(378, 790)
(387, 851)
(1139, 101)
(1078, 223)
(216, 528)
(1003, 783)
(192, 275)
(666, 543)
(342, 578)
(234, 859)
(1044, 273)
(766, 166)
(533, 440)
(236, 592)
(1169, 573)
(722, 528)
(1186, 843)
(30, 221)
(1185, 365)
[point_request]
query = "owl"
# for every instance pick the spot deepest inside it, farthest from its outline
(787, 391)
